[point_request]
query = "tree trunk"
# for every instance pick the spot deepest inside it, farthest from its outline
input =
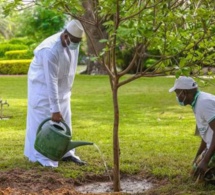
(94, 68)
(95, 33)
(116, 169)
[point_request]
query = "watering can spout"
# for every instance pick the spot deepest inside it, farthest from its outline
(75, 144)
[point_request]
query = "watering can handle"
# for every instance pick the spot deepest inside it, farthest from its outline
(48, 119)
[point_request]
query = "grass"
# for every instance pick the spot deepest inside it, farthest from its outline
(156, 134)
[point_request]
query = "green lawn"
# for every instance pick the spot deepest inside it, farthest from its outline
(156, 134)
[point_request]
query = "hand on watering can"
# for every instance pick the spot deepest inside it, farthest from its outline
(57, 117)
(201, 168)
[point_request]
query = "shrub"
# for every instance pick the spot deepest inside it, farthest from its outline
(21, 41)
(18, 54)
(14, 67)
(4, 47)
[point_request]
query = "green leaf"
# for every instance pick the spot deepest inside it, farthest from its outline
(103, 40)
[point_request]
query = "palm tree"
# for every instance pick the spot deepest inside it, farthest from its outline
(6, 24)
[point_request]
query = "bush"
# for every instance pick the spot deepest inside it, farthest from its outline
(18, 54)
(21, 41)
(14, 67)
(4, 47)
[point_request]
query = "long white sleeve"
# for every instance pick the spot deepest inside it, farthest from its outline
(51, 70)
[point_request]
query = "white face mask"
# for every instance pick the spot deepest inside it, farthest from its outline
(72, 46)
(179, 102)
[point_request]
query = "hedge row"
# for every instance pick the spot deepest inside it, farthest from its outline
(4, 47)
(18, 54)
(14, 67)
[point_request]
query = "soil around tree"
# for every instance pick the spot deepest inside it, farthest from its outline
(48, 182)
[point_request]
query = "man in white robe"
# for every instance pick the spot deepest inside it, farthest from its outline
(50, 79)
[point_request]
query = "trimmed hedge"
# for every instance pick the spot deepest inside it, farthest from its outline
(4, 47)
(18, 54)
(14, 67)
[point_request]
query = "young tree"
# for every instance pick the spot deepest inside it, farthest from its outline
(163, 36)
(174, 35)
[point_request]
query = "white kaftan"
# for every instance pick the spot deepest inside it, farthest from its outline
(50, 79)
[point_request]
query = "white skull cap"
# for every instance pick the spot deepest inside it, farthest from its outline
(184, 82)
(75, 28)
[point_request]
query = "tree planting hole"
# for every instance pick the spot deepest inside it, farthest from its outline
(130, 186)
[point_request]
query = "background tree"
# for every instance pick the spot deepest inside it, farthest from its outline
(163, 37)
(5, 23)
(39, 22)
(90, 14)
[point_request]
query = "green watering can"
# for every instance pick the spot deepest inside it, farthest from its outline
(53, 141)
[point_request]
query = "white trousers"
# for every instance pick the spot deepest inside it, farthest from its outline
(35, 116)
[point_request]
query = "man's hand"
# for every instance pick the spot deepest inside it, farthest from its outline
(57, 117)
(201, 168)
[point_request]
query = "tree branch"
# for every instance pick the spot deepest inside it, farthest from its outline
(136, 14)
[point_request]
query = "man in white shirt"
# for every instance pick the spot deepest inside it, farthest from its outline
(203, 105)
(50, 79)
